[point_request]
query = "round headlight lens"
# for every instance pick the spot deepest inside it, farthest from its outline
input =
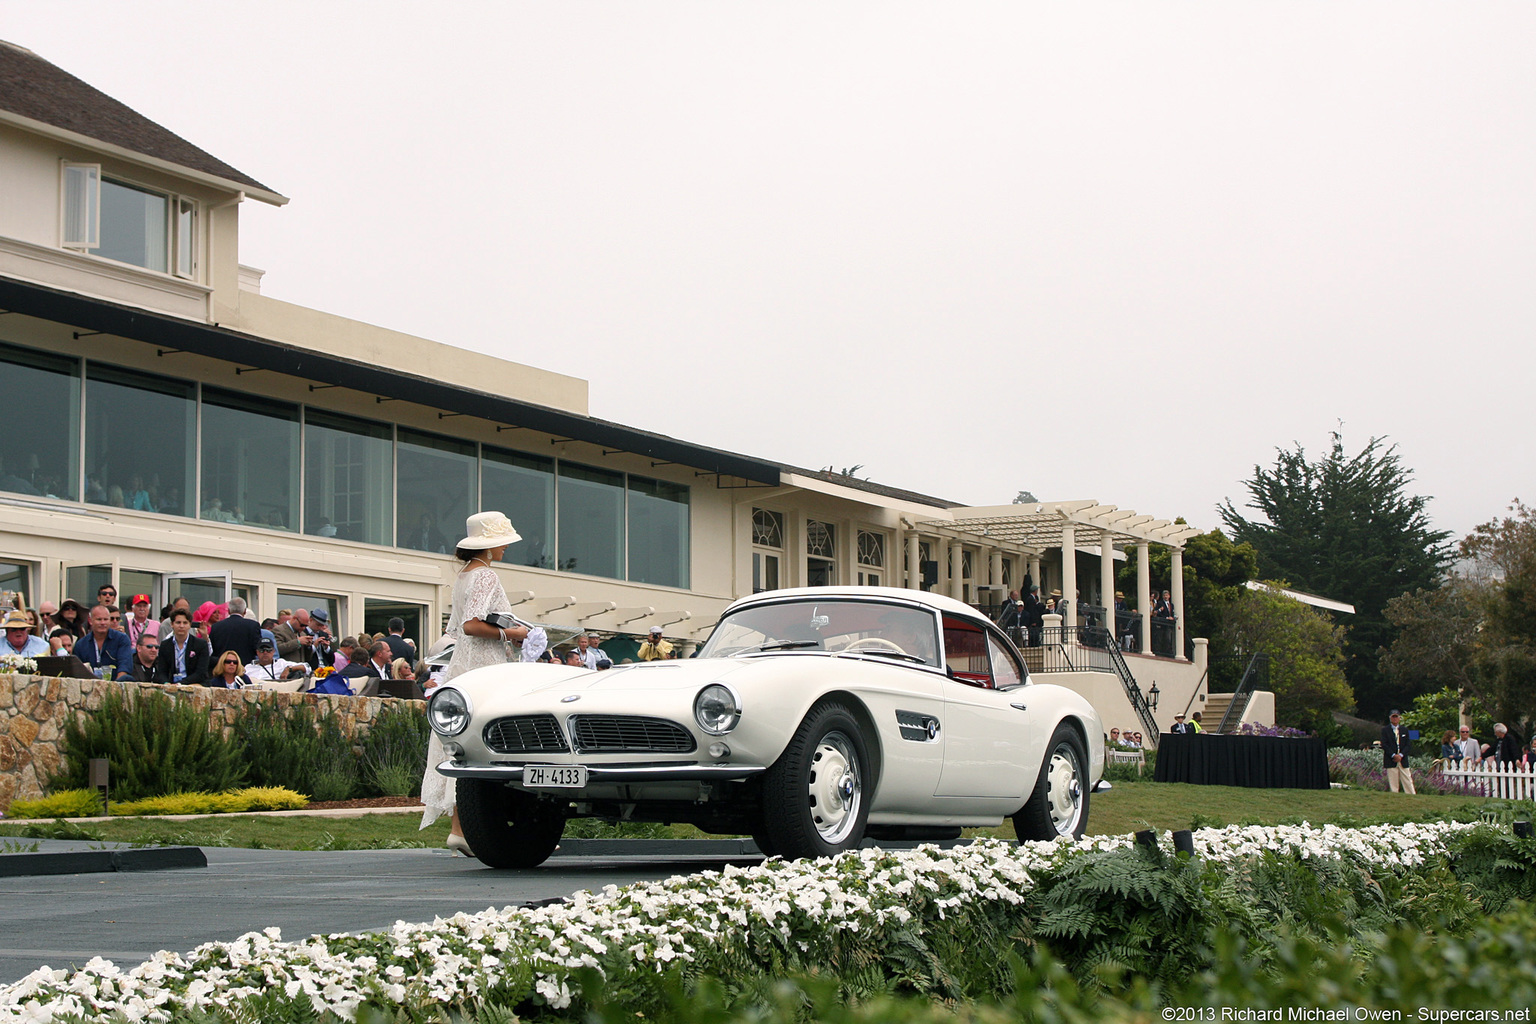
(716, 709)
(448, 712)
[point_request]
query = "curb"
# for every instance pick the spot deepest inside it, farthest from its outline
(81, 862)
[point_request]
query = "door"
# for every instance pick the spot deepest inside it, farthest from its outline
(197, 587)
(987, 749)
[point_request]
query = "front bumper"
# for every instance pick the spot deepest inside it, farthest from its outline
(598, 775)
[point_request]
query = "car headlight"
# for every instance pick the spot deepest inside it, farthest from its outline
(716, 709)
(448, 711)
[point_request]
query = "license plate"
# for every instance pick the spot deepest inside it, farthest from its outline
(555, 776)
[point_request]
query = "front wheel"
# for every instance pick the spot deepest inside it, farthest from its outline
(1059, 805)
(506, 827)
(816, 795)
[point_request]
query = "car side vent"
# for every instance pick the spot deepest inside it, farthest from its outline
(525, 734)
(629, 734)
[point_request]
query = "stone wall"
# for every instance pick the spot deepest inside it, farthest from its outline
(33, 710)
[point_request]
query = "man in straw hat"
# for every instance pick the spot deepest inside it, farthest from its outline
(19, 639)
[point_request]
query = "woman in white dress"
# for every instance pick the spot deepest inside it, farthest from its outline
(477, 592)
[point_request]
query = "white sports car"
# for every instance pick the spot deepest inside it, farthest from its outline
(811, 720)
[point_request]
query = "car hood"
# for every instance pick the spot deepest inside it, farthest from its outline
(501, 682)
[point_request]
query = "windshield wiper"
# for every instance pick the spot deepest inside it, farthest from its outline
(881, 652)
(782, 645)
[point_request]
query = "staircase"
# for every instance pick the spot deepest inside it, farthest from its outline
(1215, 709)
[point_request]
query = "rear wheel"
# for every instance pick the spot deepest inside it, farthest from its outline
(506, 827)
(1059, 805)
(816, 795)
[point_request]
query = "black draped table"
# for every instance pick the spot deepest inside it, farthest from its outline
(1263, 762)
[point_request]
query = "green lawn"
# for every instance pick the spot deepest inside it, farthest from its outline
(1128, 807)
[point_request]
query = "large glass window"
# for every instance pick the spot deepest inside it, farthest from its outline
(135, 225)
(139, 436)
(41, 453)
(348, 478)
(658, 532)
(250, 460)
(591, 521)
(436, 490)
(523, 487)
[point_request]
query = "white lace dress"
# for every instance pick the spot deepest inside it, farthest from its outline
(475, 593)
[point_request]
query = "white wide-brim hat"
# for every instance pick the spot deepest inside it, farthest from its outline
(488, 530)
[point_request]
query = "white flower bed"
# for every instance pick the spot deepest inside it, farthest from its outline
(646, 925)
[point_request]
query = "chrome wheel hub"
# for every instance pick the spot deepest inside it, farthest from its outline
(1064, 790)
(835, 788)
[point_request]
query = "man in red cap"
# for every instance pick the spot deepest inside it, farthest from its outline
(140, 625)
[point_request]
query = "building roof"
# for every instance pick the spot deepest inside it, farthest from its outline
(869, 486)
(37, 91)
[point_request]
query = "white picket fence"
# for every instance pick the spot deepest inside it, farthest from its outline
(1505, 780)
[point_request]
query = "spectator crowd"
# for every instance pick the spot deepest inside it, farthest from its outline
(222, 645)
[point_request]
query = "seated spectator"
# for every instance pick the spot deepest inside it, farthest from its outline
(404, 684)
(61, 641)
(106, 594)
(19, 638)
(47, 616)
(401, 668)
(116, 615)
(138, 496)
(586, 646)
(603, 665)
(145, 652)
(1114, 737)
(139, 623)
(268, 667)
(364, 676)
(36, 625)
(104, 649)
(184, 657)
(165, 615)
(229, 673)
(573, 658)
(72, 616)
(346, 651)
(202, 619)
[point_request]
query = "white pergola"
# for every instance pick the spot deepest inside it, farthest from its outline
(1036, 527)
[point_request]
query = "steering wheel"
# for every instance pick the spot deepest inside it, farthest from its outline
(877, 642)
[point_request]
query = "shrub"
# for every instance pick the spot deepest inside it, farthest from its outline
(153, 745)
(67, 803)
(238, 801)
(288, 748)
(395, 750)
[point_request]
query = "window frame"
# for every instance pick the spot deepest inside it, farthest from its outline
(80, 206)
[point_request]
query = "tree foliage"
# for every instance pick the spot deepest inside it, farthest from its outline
(1504, 658)
(1345, 527)
(1305, 650)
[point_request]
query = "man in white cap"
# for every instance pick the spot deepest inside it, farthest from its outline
(655, 649)
(19, 639)
(1180, 726)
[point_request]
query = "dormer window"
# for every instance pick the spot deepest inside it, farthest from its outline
(126, 222)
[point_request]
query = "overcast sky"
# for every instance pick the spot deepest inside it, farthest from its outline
(1112, 251)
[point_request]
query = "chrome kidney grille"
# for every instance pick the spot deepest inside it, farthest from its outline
(629, 734)
(526, 734)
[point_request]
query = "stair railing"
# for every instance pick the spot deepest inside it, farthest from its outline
(1257, 665)
(1132, 691)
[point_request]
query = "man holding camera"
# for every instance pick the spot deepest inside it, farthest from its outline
(305, 638)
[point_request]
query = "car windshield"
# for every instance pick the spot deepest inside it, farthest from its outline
(860, 627)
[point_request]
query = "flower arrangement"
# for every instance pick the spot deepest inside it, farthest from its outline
(324, 672)
(1251, 729)
(17, 664)
(776, 908)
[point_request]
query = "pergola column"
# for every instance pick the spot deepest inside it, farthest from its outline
(1107, 581)
(1069, 574)
(1178, 602)
(1144, 595)
(914, 567)
(1034, 572)
(995, 567)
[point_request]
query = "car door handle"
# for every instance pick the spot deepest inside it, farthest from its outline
(1021, 707)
